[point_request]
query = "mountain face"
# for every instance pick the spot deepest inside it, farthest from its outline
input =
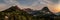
(46, 9)
(28, 10)
(11, 9)
(15, 9)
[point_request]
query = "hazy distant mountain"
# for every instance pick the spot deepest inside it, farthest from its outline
(27, 9)
(58, 14)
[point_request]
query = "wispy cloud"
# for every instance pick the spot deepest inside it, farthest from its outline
(34, 5)
(39, 4)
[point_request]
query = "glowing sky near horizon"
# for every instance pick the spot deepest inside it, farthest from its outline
(33, 4)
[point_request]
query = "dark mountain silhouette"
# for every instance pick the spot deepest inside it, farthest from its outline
(15, 8)
(46, 9)
(11, 9)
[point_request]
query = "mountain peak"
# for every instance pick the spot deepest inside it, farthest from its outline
(45, 9)
(12, 8)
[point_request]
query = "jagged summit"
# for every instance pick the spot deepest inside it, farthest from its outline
(46, 9)
(13, 8)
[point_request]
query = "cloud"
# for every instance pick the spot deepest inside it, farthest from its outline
(37, 5)
(5, 5)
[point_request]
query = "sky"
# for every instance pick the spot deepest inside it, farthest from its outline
(53, 5)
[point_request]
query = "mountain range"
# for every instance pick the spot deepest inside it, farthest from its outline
(29, 11)
(13, 8)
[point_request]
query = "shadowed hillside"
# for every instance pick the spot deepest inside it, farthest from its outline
(15, 13)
